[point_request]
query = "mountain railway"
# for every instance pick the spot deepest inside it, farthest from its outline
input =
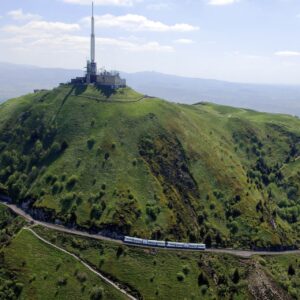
(235, 252)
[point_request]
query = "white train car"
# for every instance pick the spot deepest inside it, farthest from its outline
(163, 244)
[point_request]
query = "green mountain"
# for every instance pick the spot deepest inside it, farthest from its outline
(120, 162)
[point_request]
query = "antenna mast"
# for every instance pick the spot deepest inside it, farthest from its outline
(93, 36)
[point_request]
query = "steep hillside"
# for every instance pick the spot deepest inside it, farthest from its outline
(125, 164)
(31, 269)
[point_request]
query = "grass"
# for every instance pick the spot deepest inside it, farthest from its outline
(31, 269)
(278, 268)
(159, 274)
(47, 273)
(209, 172)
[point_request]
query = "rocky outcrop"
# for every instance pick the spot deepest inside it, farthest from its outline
(262, 287)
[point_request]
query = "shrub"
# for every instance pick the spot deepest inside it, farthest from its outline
(97, 293)
(130, 196)
(96, 212)
(62, 281)
(152, 212)
(208, 241)
(291, 270)
(204, 289)
(91, 142)
(180, 276)
(18, 288)
(233, 226)
(64, 146)
(63, 177)
(202, 279)
(186, 270)
(120, 251)
(56, 188)
(67, 201)
(55, 149)
(32, 278)
(236, 276)
(81, 276)
(72, 181)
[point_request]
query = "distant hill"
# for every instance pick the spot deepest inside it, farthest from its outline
(265, 98)
(16, 80)
(121, 163)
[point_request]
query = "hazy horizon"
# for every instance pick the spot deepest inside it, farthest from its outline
(230, 40)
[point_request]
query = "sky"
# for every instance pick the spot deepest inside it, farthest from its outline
(255, 41)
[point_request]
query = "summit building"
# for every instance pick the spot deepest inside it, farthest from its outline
(104, 78)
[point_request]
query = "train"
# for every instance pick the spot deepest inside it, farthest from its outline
(163, 244)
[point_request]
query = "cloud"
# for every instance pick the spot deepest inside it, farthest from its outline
(19, 15)
(39, 29)
(184, 41)
(287, 53)
(132, 22)
(104, 2)
(157, 6)
(222, 2)
(58, 36)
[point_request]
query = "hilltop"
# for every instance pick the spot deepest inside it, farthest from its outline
(120, 162)
(17, 80)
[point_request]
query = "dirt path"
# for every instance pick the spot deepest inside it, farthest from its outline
(239, 253)
(112, 101)
(116, 286)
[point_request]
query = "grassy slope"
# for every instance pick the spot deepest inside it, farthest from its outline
(41, 268)
(155, 273)
(155, 169)
(278, 268)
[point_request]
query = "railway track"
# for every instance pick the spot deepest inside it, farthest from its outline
(235, 252)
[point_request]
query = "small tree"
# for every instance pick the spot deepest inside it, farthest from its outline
(202, 279)
(236, 276)
(291, 270)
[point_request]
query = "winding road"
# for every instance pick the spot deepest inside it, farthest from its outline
(236, 252)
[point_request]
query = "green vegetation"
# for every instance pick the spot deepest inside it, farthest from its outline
(10, 287)
(150, 274)
(149, 168)
(10, 224)
(30, 269)
(160, 274)
(285, 270)
(165, 274)
(46, 273)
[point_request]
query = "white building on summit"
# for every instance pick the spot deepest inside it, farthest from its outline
(104, 78)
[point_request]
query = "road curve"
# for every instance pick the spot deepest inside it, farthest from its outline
(236, 252)
(85, 264)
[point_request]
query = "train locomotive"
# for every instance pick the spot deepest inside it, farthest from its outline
(163, 244)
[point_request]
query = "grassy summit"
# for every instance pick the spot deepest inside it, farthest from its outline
(146, 167)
